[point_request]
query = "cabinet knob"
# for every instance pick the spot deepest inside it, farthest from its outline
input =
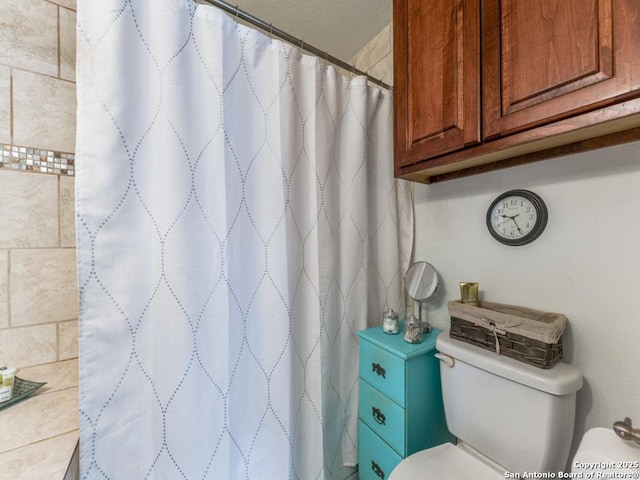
(377, 470)
(378, 369)
(378, 416)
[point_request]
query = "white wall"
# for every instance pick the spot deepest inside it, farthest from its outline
(585, 265)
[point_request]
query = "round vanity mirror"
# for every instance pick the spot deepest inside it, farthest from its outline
(421, 284)
(421, 281)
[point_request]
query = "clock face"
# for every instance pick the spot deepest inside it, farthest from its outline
(517, 217)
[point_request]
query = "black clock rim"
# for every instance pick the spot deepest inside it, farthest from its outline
(538, 228)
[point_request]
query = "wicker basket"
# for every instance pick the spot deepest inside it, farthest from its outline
(527, 335)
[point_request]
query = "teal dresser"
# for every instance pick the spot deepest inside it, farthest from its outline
(400, 406)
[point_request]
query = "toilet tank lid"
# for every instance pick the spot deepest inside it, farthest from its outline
(562, 379)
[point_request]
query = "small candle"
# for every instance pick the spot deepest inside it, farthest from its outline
(6, 382)
(469, 293)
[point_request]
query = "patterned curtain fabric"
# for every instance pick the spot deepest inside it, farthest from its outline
(238, 223)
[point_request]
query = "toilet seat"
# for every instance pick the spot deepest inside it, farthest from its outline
(444, 462)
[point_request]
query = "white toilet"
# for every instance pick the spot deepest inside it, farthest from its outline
(509, 417)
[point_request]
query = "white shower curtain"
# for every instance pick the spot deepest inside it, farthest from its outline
(237, 224)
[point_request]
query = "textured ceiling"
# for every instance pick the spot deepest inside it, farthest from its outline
(339, 27)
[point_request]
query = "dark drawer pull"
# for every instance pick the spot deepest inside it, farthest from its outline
(377, 470)
(377, 368)
(378, 416)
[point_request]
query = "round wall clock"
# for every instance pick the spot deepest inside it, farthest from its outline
(517, 217)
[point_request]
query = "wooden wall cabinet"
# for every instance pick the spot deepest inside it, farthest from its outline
(482, 85)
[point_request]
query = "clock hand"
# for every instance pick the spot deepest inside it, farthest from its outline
(514, 221)
(507, 219)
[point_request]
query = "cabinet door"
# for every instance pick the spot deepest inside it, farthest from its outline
(546, 60)
(436, 77)
(385, 417)
(376, 460)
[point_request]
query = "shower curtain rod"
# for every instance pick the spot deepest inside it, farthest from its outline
(236, 12)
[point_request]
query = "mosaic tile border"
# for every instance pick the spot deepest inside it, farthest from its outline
(37, 160)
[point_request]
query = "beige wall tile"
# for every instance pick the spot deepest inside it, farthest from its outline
(68, 340)
(374, 51)
(29, 215)
(58, 375)
(44, 460)
(4, 285)
(5, 104)
(67, 212)
(61, 417)
(67, 44)
(383, 70)
(46, 119)
(29, 37)
(65, 3)
(43, 286)
(23, 347)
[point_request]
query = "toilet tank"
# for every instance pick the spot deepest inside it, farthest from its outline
(519, 416)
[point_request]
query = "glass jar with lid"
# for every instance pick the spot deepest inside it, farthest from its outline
(390, 322)
(412, 330)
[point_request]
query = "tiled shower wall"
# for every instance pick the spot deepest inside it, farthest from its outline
(38, 286)
(376, 57)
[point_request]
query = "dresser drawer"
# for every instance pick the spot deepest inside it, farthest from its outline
(376, 458)
(385, 417)
(383, 370)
